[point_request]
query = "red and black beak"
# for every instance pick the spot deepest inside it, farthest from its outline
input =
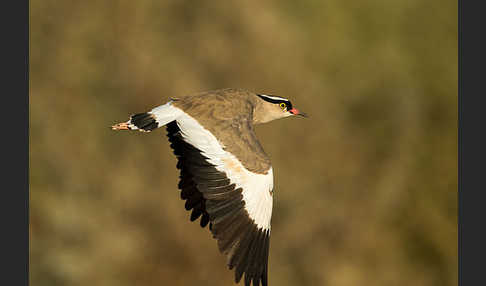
(295, 111)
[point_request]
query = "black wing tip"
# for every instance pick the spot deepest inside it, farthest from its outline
(249, 278)
(251, 257)
(204, 220)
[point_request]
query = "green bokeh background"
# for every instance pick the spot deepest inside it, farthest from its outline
(365, 189)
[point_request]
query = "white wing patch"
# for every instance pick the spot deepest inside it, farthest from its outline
(256, 188)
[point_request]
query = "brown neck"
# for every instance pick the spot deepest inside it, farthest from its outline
(264, 112)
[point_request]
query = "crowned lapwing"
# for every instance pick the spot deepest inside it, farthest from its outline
(225, 176)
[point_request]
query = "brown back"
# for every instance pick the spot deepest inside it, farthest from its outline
(228, 115)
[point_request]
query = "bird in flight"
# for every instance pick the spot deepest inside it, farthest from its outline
(226, 178)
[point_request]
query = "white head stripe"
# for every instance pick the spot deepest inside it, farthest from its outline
(274, 97)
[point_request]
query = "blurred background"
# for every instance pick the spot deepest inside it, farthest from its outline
(365, 189)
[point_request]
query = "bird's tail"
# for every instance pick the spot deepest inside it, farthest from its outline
(148, 121)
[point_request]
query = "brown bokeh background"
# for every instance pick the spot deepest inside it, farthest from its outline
(365, 189)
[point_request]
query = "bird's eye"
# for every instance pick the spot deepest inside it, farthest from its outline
(283, 105)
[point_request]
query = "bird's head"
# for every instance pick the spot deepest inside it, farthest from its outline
(273, 107)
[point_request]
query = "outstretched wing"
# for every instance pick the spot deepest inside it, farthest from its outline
(236, 202)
